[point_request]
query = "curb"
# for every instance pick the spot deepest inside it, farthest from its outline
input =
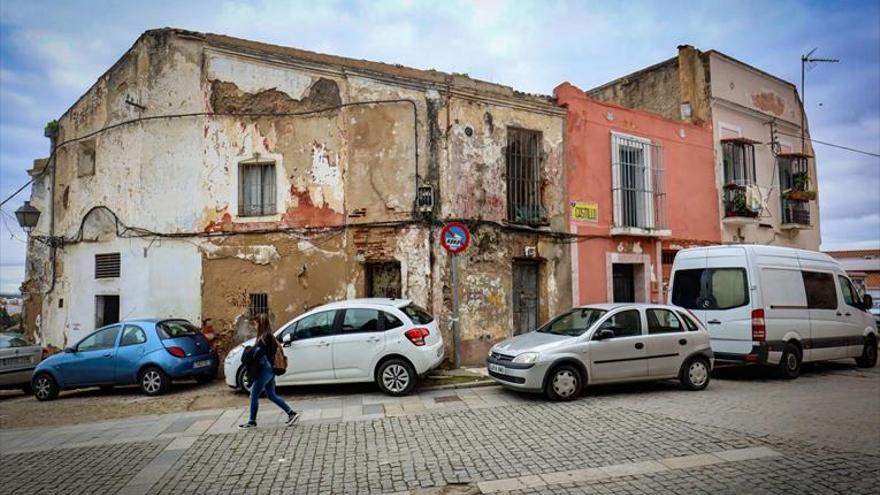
(478, 384)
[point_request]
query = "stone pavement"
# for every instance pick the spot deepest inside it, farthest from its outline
(817, 434)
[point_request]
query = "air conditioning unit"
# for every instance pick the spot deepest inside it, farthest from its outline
(425, 199)
(531, 251)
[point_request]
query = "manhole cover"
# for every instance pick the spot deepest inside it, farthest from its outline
(447, 398)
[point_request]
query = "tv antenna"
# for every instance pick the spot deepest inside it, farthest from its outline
(808, 62)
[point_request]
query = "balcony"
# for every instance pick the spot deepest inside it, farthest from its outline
(795, 215)
(740, 207)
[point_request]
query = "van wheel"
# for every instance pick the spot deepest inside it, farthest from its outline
(695, 374)
(396, 377)
(564, 383)
(868, 359)
(154, 381)
(45, 387)
(790, 364)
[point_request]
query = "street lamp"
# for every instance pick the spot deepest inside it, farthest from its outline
(27, 216)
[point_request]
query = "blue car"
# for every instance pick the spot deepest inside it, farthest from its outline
(150, 353)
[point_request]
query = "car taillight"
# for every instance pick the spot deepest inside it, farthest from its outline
(176, 351)
(417, 335)
(759, 327)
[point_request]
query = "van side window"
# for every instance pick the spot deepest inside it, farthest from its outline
(710, 288)
(849, 294)
(821, 293)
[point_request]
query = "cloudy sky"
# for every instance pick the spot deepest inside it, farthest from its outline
(51, 52)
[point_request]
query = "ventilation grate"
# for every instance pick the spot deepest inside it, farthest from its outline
(107, 265)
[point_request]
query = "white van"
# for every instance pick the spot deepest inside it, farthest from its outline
(774, 305)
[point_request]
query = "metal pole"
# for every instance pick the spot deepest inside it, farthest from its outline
(456, 332)
(803, 105)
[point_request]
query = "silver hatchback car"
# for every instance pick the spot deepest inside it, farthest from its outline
(605, 343)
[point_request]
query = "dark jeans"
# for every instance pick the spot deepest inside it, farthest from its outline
(265, 381)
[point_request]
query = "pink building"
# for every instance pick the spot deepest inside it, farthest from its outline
(640, 187)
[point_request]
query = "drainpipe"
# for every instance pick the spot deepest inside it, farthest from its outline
(52, 134)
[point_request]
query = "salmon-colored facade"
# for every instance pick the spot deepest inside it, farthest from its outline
(640, 187)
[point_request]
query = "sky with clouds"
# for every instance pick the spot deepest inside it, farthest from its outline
(51, 52)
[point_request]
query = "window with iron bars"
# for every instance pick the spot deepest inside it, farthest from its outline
(738, 157)
(259, 303)
(256, 189)
(795, 185)
(524, 155)
(637, 182)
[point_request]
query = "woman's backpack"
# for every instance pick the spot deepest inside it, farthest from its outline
(279, 361)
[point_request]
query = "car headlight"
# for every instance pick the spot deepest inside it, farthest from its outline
(493, 349)
(526, 358)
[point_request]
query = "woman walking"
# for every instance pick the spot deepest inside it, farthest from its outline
(261, 375)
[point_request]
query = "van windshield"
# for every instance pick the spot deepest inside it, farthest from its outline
(710, 288)
(573, 323)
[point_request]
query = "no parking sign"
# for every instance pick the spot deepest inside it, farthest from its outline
(455, 237)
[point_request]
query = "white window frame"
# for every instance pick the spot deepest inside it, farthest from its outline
(617, 186)
(282, 186)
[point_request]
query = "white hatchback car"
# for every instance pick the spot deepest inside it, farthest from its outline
(390, 341)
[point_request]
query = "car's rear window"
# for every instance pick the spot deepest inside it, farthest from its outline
(418, 315)
(176, 328)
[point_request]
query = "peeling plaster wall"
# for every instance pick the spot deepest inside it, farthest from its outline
(345, 160)
(145, 173)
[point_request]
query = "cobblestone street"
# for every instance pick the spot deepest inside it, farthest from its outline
(744, 434)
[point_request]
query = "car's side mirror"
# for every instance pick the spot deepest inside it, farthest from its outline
(604, 333)
(288, 338)
(867, 302)
(70, 350)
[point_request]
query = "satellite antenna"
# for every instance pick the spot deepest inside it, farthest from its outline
(808, 62)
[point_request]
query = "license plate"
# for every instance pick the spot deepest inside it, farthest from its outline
(202, 364)
(501, 370)
(17, 360)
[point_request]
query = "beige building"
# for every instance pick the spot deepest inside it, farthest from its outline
(765, 173)
(209, 177)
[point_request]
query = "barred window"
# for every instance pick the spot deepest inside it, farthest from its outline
(739, 162)
(259, 303)
(637, 176)
(256, 189)
(524, 177)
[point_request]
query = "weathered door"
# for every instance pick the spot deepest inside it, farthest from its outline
(624, 283)
(525, 297)
(383, 279)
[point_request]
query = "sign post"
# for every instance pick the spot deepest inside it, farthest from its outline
(455, 238)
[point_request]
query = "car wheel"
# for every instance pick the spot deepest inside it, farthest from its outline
(790, 364)
(396, 377)
(45, 387)
(695, 374)
(564, 383)
(154, 381)
(868, 359)
(241, 379)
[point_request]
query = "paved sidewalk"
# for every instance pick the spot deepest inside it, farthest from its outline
(731, 438)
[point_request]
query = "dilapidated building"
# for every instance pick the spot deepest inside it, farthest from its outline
(209, 177)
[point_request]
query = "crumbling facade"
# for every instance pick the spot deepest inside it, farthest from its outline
(208, 178)
(765, 171)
